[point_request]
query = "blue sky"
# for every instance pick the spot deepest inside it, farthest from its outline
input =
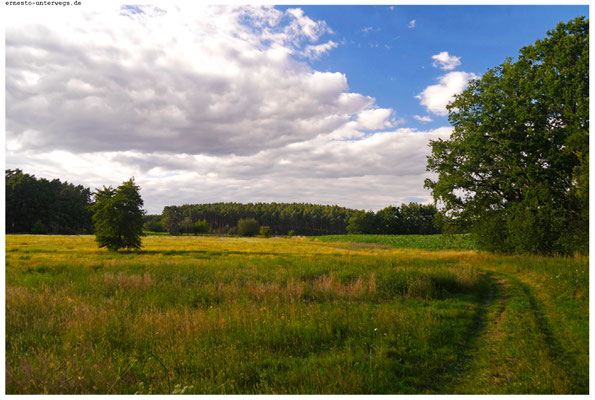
(316, 104)
(384, 58)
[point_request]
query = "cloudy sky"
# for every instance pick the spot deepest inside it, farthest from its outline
(318, 104)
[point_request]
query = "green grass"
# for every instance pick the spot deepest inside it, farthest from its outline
(149, 233)
(247, 315)
(422, 242)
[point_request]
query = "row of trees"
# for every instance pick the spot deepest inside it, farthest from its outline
(297, 218)
(412, 218)
(38, 205)
(303, 219)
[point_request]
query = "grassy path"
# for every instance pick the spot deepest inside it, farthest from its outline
(530, 334)
(513, 348)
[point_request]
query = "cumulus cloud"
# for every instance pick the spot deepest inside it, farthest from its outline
(425, 118)
(219, 81)
(445, 61)
(375, 119)
(436, 97)
(200, 104)
(315, 51)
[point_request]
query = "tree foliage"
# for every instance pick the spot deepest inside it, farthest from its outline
(153, 223)
(362, 222)
(118, 217)
(515, 169)
(265, 231)
(248, 227)
(408, 219)
(201, 227)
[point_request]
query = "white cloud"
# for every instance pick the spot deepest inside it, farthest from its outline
(315, 51)
(412, 24)
(375, 119)
(436, 97)
(445, 61)
(303, 25)
(425, 118)
(171, 81)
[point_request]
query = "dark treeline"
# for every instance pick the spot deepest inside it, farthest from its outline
(38, 205)
(412, 218)
(297, 218)
(302, 219)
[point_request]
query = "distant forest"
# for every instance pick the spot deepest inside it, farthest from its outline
(42, 206)
(37, 205)
(297, 218)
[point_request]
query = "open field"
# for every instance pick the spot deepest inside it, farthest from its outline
(234, 315)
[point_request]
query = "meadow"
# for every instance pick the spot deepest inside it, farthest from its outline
(229, 315)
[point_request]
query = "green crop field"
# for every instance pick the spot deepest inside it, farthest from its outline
(421, 242)
(291, 315)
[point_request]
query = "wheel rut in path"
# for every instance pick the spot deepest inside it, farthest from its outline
(488, 316)
(509, 313)
(557, 354)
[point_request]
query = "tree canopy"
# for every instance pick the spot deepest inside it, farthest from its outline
(515, 169)
(118, 218)
(408, 219)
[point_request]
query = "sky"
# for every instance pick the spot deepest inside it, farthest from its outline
(293, 103)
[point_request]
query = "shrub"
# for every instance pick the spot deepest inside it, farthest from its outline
(201, 227)
(154, 226)
(265, 231)
(248, 227)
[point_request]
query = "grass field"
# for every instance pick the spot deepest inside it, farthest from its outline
(421, 242)
(234, 315)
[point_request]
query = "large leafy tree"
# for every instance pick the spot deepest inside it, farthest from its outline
(515, 169)
(118, 218)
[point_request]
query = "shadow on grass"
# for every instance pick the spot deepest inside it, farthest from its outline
(465, 353)
(199, 253)
(563, 359)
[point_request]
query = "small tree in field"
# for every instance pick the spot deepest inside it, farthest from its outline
(248, 227)
(118, 217)
(265, 231)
